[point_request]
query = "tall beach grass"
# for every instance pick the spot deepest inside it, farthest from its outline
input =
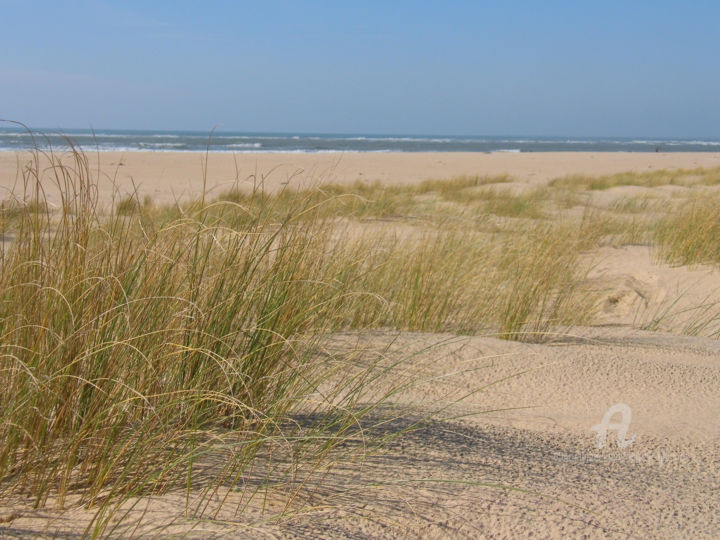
(136, 342)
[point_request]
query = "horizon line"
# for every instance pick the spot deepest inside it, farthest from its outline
(16, 126)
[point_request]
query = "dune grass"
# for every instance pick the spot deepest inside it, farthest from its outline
(504, 203)
(361, 200)
(131, 205)
(127, 355)
(691, 233)
(663, 177)
(13, 210)
(136, 343)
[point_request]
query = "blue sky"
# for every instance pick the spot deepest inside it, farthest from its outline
(572, 68)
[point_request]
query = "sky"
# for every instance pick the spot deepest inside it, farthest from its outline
(548, 68)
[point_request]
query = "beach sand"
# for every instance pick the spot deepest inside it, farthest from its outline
(170, 176)
(529, 463)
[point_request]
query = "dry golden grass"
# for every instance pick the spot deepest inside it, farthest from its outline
(138, 341)
(680, 177)
(691, 233)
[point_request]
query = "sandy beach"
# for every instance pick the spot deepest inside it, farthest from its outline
(170, 176)
(351, 270)
(522, 454)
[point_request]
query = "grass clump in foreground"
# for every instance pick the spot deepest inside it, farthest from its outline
(133, 349)
(130, 353)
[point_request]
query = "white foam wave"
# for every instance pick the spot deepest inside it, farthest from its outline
(695, 143)
(162, 145)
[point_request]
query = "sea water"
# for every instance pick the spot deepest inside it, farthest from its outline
(12, 138)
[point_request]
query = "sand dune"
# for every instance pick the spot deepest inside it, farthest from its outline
(516, 473)
(512, 473)
(522, 454)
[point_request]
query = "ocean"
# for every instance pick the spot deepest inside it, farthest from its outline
(220, 141)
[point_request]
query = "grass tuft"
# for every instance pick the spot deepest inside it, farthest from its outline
(691, 234)
(663, 177)
(131, 205)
